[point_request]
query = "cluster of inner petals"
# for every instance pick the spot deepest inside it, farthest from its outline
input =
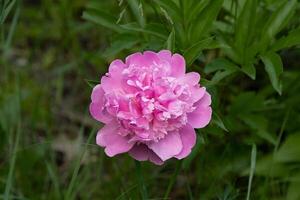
(151, 102)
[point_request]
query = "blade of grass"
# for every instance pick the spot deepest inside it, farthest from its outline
(252, 169)
(54, 179)
(139, 174)
(17, 140)
(12, 28)
(77, 167)
(12, 165)
(173, 179)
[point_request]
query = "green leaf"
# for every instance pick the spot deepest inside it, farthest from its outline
(246, 103)
(220, 64)
(196, 8)
(252, 170)
(293, 192)
(199, 143)
(290, 150)
(170, 8)
(259, 124)
(170, 43)
(137, 11)
(194, 51)
(218, 121)
(274, 68)
(153, 29)
(292, 39)
(250, 70)
(204, 20)
(277, 21)
(267, 167)
(223, 67)
(120, 43)
(103, 19)
(280, 17)
(91, 83)
(6, 11)
(244, 25)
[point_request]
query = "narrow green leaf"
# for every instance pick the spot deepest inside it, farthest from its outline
(259, 124)
(137, 12)
(290, 149)
(292, 39)
(252, 170)
(123, 41)
(153, 29)
(170, 8)
(196, 8)
(77, 166)
(91, 83)
(220, 64)
(222, 67)
(293, 192)
(280, 17)
(205, 19)
(244, 25)
(276, 22)
(170, 43)
(250, 70)
(188, 161)
(12, 27)
(274, 68)
(218, 121)
(7, 10)
(103, 19)
(194, 51)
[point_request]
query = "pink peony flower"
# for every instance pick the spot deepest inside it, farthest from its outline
(150, 107)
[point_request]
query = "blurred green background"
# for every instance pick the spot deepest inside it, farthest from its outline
(54, 51)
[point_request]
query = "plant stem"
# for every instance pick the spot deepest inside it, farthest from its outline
(172, 181)
(141, 181)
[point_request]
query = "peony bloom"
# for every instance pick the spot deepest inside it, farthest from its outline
(150, 107)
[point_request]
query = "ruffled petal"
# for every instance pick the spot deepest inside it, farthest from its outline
(114, 143)
(178, 65)
(165, 55)
(96, 106)
(191, 78)
(200, 117)
(197, 93)
(141, 152)
(167, 147)
(188, 139)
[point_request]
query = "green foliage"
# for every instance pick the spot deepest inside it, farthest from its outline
(246, 51)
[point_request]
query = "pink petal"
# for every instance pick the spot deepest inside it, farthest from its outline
(114, 79)
(116, 67)
(188, 139)
(200, 117)
(191, 78)
(96, 106)
(114, 143)
(165, 55)
(197, 93)
(205, 100)
(167, 147)
(154, 158)
(178, 65)
(141, 152)
(134, 58)
(151, 57)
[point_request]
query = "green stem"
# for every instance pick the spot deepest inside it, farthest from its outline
(141, 181)
(173, 179)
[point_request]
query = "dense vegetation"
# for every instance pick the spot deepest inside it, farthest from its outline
(248, 55)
